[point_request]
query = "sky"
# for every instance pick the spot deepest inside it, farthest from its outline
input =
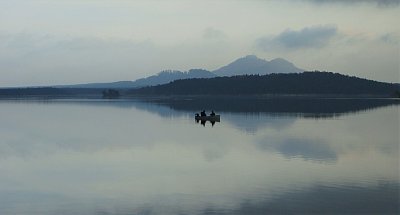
(47, 42)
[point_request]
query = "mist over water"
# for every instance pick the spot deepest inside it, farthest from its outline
(151, 157)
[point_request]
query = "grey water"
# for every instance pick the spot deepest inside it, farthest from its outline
(315, 156)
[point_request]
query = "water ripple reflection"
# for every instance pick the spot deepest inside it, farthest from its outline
(134, 157)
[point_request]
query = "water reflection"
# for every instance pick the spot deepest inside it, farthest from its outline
(299, 106)
(203, 122)
(308, 149)
(323, 199)
(245, 113)
(134, 157)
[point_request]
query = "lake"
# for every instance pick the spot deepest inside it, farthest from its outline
(266, 156)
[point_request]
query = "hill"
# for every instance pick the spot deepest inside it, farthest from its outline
(251, 64)
(49, 92)
(162, 77)
(306, 83)
(114, 85)
(169, 75)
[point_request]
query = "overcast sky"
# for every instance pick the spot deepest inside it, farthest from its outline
(47, 42)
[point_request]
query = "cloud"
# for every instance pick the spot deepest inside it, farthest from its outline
(310, 37)
(379, 3)
(35, 59)
(29, 59)
(213, 34)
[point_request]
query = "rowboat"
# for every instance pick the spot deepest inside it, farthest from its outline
(215, 118)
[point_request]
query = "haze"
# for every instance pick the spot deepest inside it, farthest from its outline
(64, 42)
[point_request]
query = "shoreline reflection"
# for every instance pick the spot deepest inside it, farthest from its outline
(94, 157)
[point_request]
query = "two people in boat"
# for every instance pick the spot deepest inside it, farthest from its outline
(203, 113)
(203, 120)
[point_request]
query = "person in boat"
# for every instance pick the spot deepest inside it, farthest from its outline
(197, 115)
(212, 113)
(203, 113)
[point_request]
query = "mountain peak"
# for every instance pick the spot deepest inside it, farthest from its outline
(251, 64)
(251, 57)
(279, 60)
(168, 71)
(282, 62)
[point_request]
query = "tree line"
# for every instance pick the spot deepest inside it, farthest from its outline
(292, 83)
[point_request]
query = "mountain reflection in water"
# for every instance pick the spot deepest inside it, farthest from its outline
(269, 155)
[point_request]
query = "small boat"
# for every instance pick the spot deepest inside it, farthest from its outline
(215, 118)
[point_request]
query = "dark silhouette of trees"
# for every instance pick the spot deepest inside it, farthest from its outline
(111, 94)
(306, 83)
(397, 94)
(49, 92)
(294, 83)
(34, 91)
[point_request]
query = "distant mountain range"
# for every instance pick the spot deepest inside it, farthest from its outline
(250, 64)
(162, 77)
(168, 76)
(245, 76)
(298, 84)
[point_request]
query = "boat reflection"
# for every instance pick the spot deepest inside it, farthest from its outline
(203, 118)
(203, 121)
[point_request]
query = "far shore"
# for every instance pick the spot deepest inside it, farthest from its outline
(185, 97)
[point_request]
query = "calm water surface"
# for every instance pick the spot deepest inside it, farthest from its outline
(131, 157)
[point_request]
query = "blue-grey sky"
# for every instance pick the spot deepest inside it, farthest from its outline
(46, 42)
